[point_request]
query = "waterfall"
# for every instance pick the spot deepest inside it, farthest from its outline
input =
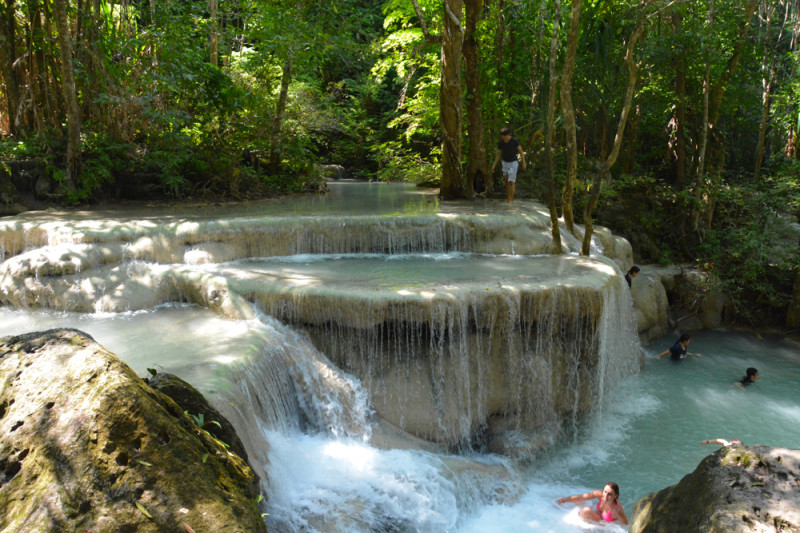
(308, 430)
(302, 418)
(407, 364)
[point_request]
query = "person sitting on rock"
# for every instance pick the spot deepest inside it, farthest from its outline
(723, 442)
(608, 508)
(632, 273)
(750, 377)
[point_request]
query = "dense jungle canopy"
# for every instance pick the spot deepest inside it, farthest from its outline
(675, 122)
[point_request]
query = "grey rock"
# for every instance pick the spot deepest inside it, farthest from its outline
(736, 489)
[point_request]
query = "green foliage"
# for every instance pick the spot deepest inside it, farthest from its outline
(398, 163)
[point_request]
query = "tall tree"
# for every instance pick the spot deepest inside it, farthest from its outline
(548, 135)
(280, 111)
(70, 94)
(713, 94)
(597, 182)
(570, 127)
(679, 60)
(453, 184)
(478, 169)
(769, 64)
(8, 55)
(213, 32)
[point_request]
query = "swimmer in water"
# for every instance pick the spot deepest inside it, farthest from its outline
(750, 377)
(608, 508)
(680, 349)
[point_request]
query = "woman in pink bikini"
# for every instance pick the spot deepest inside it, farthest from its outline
(608, 507)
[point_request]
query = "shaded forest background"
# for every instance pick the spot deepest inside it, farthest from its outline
(676, 123)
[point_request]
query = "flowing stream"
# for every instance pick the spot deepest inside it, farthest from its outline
(415, 367)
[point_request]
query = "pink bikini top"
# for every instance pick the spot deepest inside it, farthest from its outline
(607, 516)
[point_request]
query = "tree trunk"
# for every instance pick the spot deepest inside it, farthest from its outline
(8, 55)
(768, 77)
(766, 100)
(478, 170)
(277, 121)
(548, 135)
(700, 178)
(718, 90)
(453, 184)
(680, 108)
(35, 85)
(499, 37)
(47, 71)
(623, 118)
(70, 93)
(213, 37)
(713, 95)
(569, 116)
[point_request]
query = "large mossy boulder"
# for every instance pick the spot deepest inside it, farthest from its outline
(737, 489)
(87, 445)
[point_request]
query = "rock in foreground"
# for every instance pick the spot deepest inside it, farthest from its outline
(88, 446)
(736, 489)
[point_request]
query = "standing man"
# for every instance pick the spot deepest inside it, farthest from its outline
(507, 149)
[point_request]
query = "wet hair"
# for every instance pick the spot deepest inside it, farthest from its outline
(614, 487)
(750, 373)
(685, 337)
(505, 131)
(633, 270)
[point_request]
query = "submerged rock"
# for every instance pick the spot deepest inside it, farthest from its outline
(87, 445)
(736, 489)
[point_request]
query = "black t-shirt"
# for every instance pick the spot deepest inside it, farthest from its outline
(509, 149)
(678, 352)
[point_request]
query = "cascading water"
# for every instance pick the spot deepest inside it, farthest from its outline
(401, 357)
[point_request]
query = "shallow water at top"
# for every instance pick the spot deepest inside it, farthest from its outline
(350, 198)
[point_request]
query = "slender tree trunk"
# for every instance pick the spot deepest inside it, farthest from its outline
(680, 108)
(719, 88)
(499, 39)
(714, 95)
(623, 118)
(35, 85)
(49, 71)
(569, 116)
(766, 101)
(8, 39)
(70, 93)
(213, 38)
(700, 178)
(768, 67)
(453, 184)
(478, 166)
(548, 135)
(280, 111)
